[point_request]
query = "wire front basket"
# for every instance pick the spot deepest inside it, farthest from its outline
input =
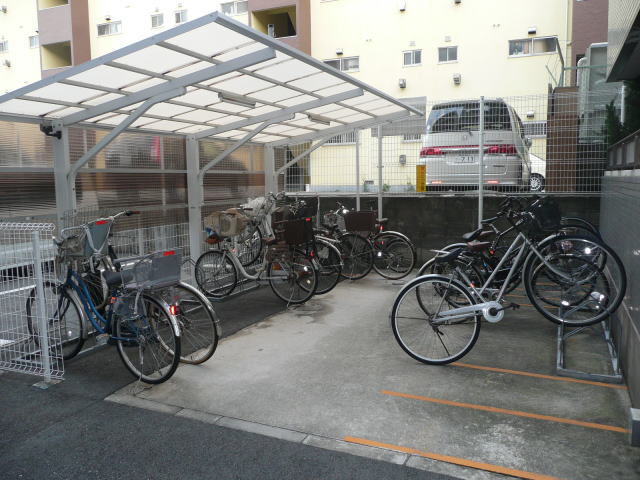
(158, 270)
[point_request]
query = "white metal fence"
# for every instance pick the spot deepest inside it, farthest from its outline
(30, 342)
(553, 143)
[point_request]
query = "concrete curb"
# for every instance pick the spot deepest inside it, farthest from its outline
(124, 397)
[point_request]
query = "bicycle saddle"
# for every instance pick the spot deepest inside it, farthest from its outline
(449, 257)
(478, 234)
(115, 279)
(382, 220)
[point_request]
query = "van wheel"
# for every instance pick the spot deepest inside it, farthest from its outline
(536, 182)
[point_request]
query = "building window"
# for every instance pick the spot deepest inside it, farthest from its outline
(345, 138)
(234, 8)
(34, 41)
(535, 129)
(4, 46)
(411, 137)
(346, 64)
(181, 16)
(412, 57)
(157, 20)
(447, 54)
(532, 46)
(110, 28)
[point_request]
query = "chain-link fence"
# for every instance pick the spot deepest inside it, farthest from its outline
(30, 330)
(555, 143)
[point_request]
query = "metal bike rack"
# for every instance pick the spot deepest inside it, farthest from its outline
(564, 334)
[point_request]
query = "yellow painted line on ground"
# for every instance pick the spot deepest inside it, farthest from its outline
(516, 413)
(454, 460)
(539, 375)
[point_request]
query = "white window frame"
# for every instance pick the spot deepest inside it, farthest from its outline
(183, 16)
(157, 15)
(234, 10)
(532, 41)
(349, 138)
(117, 24)
(413, 58)
(342, 62)
(448, 48)
(4, 46)
(34, 43)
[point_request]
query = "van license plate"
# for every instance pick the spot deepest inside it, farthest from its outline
(465, 159)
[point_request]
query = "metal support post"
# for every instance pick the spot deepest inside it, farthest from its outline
(65, 191)
(358, 170)
(380, 171)
(623, 107)
(195, 196)
(270, 180)
(481, 163)
(45, 350)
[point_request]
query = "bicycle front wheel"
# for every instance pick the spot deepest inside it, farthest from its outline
(357, 255)
(148, 344)
(216, 274)
(197, 320)
(64, 319)
(293, 280)
(249, 246)
(329, 266)
(394, 255)
(422, 328)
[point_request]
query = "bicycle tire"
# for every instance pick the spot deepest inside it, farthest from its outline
(395, 257)
(216, 275)
(72, 331)
(199, 331)
(617, 279)
(330, 266)
(301, 277)
(357, 256)
(412, 335)
(154, 327)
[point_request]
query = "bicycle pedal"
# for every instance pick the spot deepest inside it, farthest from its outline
(102, 339)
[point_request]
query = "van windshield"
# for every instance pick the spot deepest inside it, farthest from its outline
(462, 117)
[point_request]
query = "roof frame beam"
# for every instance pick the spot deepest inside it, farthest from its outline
(333, 131)
(137, 113)
(239, 144)
(285, 111)
(184, 81)
(303, 154)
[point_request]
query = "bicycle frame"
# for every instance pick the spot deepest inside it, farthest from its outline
(227, 252)
(484, 306)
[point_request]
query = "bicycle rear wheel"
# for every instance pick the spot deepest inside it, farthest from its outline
(64, 320)
(420, 328)
(357, 255)
(197, 320)
(216, 274)
(148, 344)
(394, 255)
(581, 282)
(294, 280)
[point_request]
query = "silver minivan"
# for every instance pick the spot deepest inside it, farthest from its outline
(450, 149)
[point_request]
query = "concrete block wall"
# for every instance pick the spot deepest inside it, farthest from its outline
(432, 222)
(620, 227)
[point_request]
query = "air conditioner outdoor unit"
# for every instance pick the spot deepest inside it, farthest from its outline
(457, 78)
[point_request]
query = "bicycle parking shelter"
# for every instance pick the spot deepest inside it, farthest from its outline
(210, 78)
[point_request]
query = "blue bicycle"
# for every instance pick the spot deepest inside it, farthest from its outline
(135, 319)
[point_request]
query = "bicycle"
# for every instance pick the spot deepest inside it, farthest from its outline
(289, 271)
(393, 256)
(141, 325)
(436, 318)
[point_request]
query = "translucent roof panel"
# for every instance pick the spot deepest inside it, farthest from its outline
(210, 77)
